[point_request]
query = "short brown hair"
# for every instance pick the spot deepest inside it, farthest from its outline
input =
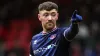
(48, 6)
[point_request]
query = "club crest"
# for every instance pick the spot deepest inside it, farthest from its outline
(53, 36)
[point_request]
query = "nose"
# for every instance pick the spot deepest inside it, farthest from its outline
(49, 17)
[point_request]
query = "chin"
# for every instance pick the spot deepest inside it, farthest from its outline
(49, 27)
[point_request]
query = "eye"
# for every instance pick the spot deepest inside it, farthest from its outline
(45, 14)
(53, 14)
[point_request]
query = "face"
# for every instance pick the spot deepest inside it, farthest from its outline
(48, 18)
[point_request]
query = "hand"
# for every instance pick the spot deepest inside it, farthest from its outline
(75, 17)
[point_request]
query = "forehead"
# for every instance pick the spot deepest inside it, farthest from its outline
(45, 11)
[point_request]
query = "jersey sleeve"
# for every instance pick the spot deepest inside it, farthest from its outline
(70, 32)
(31, 51)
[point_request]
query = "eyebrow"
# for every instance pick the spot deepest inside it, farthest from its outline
(46, 13)
(53, 12)
(49, 12)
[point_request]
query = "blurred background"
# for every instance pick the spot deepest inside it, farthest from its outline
(19, 22)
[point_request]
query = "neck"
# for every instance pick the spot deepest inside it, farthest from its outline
(48, 30)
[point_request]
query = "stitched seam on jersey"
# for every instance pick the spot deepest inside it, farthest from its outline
(65, 36)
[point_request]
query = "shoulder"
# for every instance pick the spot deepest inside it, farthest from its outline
(36, 36)
(62, 28)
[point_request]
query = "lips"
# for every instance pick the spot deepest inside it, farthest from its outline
(49, 25)
(50, 22)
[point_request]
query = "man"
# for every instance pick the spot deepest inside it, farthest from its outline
(53, 41)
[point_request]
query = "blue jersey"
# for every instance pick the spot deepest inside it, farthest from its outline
(54, 43)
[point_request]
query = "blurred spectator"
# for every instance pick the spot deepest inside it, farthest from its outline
(83, 31)
(76, 49)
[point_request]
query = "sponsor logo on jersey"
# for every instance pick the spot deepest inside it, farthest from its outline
(35, 42)
(53, 36)
(44, 48)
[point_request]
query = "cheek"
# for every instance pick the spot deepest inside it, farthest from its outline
(44, 20)
(56, 18)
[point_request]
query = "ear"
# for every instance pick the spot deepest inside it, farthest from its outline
(39, 17)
